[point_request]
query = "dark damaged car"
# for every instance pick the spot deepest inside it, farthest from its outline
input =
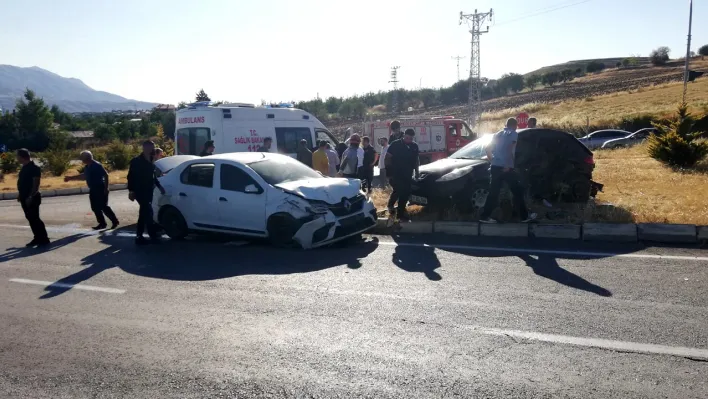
(553, 165)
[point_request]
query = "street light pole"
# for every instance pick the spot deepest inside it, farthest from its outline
(688, 50)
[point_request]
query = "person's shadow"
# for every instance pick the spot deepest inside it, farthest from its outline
(417, 259)
(19, 253)
(547, 266)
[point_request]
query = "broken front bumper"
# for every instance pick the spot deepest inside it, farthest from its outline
(328, 229)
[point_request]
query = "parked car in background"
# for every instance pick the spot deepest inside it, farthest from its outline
(635, 138)
(257, 194)
(597, 139)
(553, 165)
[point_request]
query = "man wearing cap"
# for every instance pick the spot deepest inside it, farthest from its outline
(352, 158)
(97, 181)
(141, 184)
(401, 161)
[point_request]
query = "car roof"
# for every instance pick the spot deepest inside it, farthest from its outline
(612, 130)
(246, 157)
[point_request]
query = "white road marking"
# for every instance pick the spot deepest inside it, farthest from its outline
(49, 284)
(534, 251)
(635, 347)
(74, 230)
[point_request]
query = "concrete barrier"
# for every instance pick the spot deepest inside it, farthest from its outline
(69, 191)
(676, 233)
(457, 228)
(10, 196)
(84, 190)
(610, 232)
(563, 231)
(416, 228)
(703, 233)
(117, 187)
(504, 230)
(49, 193)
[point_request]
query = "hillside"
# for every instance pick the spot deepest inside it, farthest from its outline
(71, 95)
(609, 63)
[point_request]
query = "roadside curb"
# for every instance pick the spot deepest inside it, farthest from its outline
(630, 232)
(63, 192)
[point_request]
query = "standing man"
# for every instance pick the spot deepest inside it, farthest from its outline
(30, 198)
(267, 142)
(501, 153)
(333, 160)
(382, 162)
(320, 161)
(396, 133)
(97, 181)
(141, 184)
(401, 161)
(367, 169)
(304, 154)
(352, 158)
(532, 123)
(208, 149)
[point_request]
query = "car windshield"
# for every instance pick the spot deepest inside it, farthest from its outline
(277, 171)
(475, 149)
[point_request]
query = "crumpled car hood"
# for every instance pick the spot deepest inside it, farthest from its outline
(330, 190)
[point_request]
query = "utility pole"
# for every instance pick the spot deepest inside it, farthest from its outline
(475, 97)
(458, 58)
(394, 80)
(688, 50)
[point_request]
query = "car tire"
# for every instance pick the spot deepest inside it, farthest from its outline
(581, 187)
(472, 198)
(281, 230)
(172, 221)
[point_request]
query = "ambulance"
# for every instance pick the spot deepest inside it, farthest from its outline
(437, 137)
(239, 127)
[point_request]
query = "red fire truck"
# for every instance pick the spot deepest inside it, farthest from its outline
(437, 137)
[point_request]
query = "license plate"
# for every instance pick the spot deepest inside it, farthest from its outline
(419, 200)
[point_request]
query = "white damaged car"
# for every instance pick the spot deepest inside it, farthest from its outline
(259, 195)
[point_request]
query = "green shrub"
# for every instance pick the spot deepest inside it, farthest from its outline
(57, 161)
(677, 145)
(119, 155)
(8, 162)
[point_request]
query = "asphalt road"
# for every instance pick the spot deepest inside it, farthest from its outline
(94, 316)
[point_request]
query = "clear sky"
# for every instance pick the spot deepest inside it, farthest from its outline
(280, 50)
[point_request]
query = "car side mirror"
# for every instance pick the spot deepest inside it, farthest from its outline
(251, 189)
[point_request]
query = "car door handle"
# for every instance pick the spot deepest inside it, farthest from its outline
(222, 199)
(182, 194)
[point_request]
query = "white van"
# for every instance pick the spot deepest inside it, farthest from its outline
(243, 127)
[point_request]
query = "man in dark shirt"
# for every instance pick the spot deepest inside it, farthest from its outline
(401, 161)
(208, 149)
(267, 142)
(367, 170)
(142, 181)
(304, 154)
(97, 181)
(30, 198)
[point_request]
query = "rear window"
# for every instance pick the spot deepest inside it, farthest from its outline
(289, 138)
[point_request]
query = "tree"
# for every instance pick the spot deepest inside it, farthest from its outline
(333, 104)
(677, 144)
(34, 121)
(202, 96)
(703, 51)
(532, 81)
(105, 132)
(345, 110)
(567, 75)
(511, 82)
(144, 127)
(626, 62)
(181, 105)
(551, 78)
(595, 66)
(358, 109)
(660, 56)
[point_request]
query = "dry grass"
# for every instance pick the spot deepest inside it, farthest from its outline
(608, 109)
(637, 189)
(49, 182)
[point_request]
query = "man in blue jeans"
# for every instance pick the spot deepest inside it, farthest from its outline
(501, 152)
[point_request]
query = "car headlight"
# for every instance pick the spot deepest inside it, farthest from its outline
(456, 174)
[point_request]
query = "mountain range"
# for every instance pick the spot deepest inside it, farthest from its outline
(69, 94)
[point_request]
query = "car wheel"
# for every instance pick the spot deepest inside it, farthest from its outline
(472, 199)
(581, 187)
(281, 230)
(172, 221)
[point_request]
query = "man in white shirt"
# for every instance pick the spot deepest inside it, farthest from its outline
(382, 161)
(352, 158)
(333, 160)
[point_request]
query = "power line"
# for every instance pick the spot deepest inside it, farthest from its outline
(542, 11)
